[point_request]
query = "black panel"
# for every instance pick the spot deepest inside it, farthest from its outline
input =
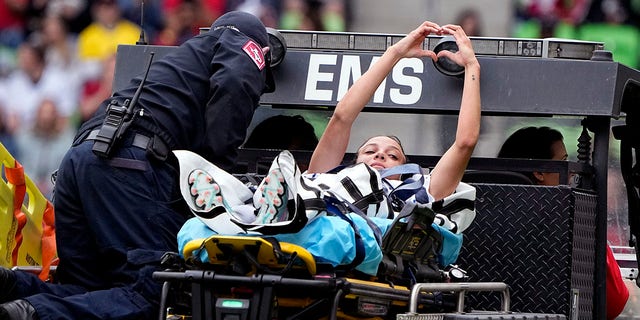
(538, 240)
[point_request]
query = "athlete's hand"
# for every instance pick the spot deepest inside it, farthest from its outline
(411, 46)
(465, 56)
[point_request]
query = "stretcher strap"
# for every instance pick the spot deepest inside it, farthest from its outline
(15, 176)
(360, 251)
(339, 202)
(48, 241)
(362, 201)
(277, 250)
(413, 185)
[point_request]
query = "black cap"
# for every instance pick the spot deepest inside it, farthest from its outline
(253, 28)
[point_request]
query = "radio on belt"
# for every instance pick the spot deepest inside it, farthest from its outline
(117, 120)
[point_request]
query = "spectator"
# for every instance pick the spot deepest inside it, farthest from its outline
(12, 22)
(7, 138)
(101, 38)
(178, 24)
(610, 23)
(96, 90)
(62, 54)
(614, 11)
(267, 10)
(33, 81)
(75, 13)
(61, 46)
(469, 20)
(318, 15)
(42, 146)
(540, 18)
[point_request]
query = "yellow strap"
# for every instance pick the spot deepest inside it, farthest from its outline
(303, 255)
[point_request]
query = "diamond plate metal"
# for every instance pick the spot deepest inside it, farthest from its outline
(539, 240)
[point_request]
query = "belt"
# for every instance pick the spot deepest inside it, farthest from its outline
(139, 140)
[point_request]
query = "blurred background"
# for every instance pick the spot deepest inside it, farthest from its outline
(57, 60)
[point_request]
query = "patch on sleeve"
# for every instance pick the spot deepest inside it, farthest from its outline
(254, 51)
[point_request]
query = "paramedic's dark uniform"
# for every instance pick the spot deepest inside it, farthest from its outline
(115, 216)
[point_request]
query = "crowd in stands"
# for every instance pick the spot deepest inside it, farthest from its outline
(616, 23)
(57, 59)
(57, 56)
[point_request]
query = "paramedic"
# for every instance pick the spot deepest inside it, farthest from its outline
(116, 209)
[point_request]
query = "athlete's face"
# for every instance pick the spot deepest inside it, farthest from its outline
(381, 152)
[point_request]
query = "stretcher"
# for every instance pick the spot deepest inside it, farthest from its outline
(257, 278)
(250, 277)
